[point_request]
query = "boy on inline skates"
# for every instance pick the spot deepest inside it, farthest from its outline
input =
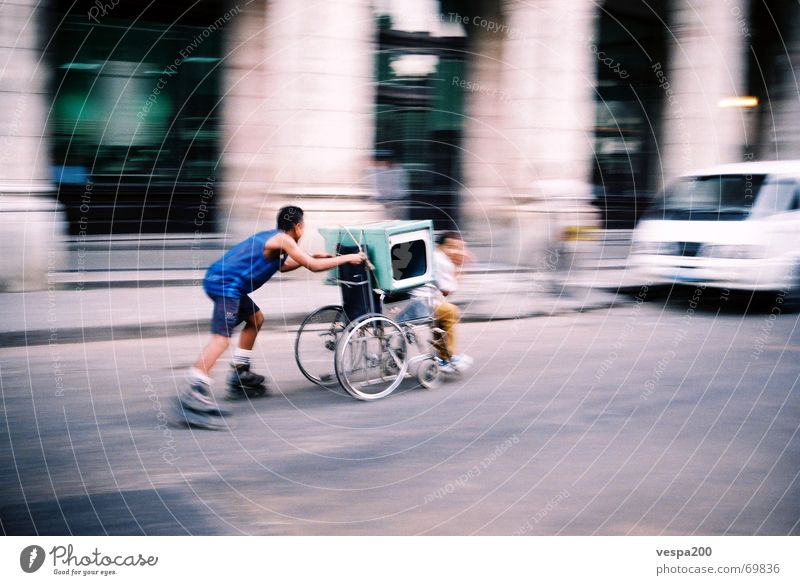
(228, 282)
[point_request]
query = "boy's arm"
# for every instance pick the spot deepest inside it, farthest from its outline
(290, 264)
(282, 243)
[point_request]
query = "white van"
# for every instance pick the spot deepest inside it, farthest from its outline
(733, 227)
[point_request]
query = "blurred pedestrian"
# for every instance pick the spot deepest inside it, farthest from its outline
(389, 181)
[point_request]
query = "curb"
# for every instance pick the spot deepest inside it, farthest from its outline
(188, 276)
(185, 327)
(564, 308)
(98, 333)
(127, 283)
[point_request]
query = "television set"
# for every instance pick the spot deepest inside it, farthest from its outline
(400, 251)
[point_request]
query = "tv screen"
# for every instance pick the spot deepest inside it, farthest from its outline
(409, 259)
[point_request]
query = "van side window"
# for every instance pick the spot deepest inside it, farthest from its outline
(775, 197)
(796, 199)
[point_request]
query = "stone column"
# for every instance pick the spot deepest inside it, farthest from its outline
(316, 132)
(31, 225)
(707, 62)
(485, 159)
(245, 126)
(549, 75)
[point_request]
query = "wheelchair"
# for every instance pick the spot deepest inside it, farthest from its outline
(381, 334)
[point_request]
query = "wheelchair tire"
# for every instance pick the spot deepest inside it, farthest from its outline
(429, 375)
(371, 357)
(315, 344)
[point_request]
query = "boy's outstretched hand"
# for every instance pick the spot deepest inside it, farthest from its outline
(359, 258)
(347, 258)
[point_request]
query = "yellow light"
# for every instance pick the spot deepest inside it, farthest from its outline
(744, 101)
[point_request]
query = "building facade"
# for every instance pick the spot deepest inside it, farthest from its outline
(509, 118)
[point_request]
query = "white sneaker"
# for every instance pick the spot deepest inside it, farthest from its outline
(461, 363)
(445, 367)
(197, 397)
(458, 364)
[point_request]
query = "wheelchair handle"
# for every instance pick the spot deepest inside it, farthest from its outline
(369, 264)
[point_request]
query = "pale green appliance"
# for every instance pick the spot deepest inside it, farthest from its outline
(400, 251)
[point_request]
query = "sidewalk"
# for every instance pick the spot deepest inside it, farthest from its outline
(142, 304)
(142, 286)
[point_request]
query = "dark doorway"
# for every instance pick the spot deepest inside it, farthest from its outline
(773, 58)
(135, 116)
(630, 43)
(419, 115)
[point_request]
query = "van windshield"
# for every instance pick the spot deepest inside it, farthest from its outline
(709, 198)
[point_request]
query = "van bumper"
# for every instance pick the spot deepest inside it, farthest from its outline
(765, 274)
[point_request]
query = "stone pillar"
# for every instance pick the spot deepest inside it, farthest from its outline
(485, 163)
(31, 225)
(707, 62)
(316, 122)
(549, 75)
(245, 126)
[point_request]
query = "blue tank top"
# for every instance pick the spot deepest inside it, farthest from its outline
(243, 268)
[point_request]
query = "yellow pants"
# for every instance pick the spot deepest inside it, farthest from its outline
(447, 315)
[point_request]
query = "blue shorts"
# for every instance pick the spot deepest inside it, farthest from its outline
(229, 312)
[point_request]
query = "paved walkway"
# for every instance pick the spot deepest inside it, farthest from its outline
(146, 307)
(149, 287)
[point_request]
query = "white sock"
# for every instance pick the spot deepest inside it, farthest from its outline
(197, 375)
(242, 357)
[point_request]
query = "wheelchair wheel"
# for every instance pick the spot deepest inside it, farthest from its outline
(429, 375)
(315, 344)
(371, 357)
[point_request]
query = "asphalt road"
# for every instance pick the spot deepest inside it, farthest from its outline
(651, 418)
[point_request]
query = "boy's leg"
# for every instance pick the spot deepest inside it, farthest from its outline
(197, 396)
(242, 383)
(224, 320)
(215, 347)
(447, 314)
(253, 323)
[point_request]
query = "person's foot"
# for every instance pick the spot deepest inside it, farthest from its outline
(457, 364)
(445, 367)
(245, 393)
(243, 384)
(461, 362)
(199, 420)
(242, 376)
(197, 397)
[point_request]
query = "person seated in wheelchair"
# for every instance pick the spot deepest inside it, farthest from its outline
(449, 258)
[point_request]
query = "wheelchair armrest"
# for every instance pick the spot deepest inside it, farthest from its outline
(396, 297)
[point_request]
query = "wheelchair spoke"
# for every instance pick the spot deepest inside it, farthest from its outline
(378, 345)
(316, 342)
